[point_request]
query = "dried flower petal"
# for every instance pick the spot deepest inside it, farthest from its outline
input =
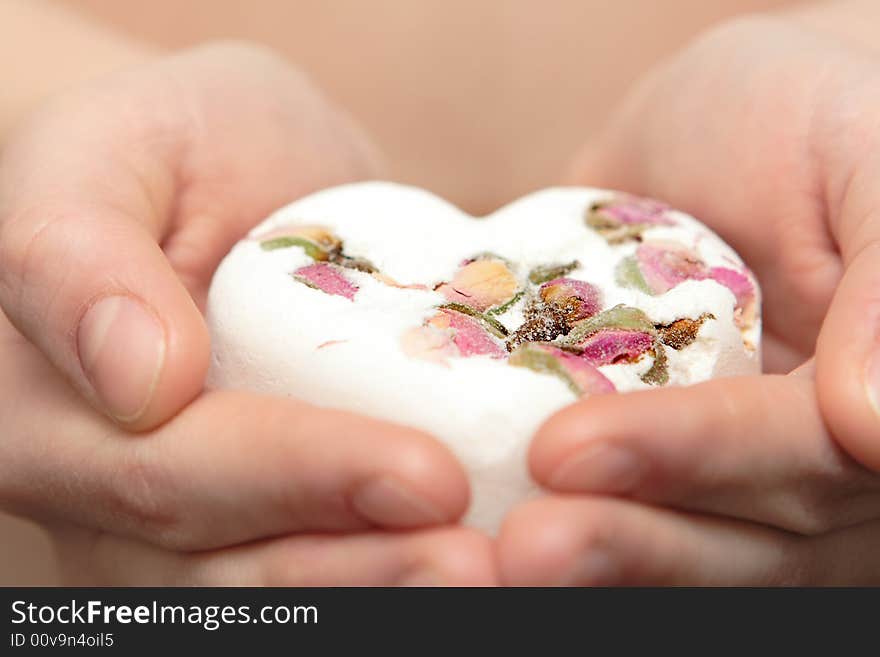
(577, 299)
(742, 288)
(485, 255)
(481, 284)
(620, 317)
(544, 273)
(628, 275)
(658, 375)
(612, 346)
(318, 242)
(542, 325)
(327, 278)
(429, 343)
(664, 265)
(579, 375)
(626, 217)
(469, 335)
(491, 324)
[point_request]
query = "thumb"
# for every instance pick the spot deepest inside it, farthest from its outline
(848, 348)
(82, 274)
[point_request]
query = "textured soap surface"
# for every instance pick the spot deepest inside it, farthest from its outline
(386, 300)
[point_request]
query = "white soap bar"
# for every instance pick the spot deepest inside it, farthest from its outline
(388, 301)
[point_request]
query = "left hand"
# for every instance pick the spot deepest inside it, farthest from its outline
(769, 133)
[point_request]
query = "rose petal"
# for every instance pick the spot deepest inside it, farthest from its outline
(630, 210)
(610, 346)
(469, 335)
(664, 265)
(481, 284)
(626, 217)
(429, 343)
(563, 290)
(326, 278)
(621, 317)
(742, 288)
(581, 376)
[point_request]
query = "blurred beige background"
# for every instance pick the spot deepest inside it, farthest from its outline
(451, 90)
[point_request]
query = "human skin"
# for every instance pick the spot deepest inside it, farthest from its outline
(183, 555)
(767, 129)
(117, 201)
(479, 102)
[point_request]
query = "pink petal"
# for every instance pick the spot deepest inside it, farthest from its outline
(326, 278)
(609, 346)
(584, 374)
(481, 284)
(471, 338)
(736, 282)
(741, 286)
(634, 210)
(429, 343)
(566, 288)
(666, 264)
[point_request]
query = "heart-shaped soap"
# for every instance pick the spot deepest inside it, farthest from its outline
(385, 300)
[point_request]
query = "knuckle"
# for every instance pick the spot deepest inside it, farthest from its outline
(810, 514)
(141, 491)
(833, 494)
(32, 240)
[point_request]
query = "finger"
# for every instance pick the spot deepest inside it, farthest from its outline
(848, 557)
(93, 187)
(848, 349)
(848, 359)
(587, 541)
(81, 215)
(280, 466)
(753, 448)
(232, 467)
(438, 557)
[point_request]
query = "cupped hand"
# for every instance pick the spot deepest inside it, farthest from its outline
(769, 133)
(117, 201)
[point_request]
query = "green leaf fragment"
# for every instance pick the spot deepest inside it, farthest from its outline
(629, 275)
(312, 250)
(619, 317)
(491, 324)
(544, 273)
(500, 310)
(542, 362)
(658, 375)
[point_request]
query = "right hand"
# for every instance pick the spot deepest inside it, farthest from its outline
(117, 202)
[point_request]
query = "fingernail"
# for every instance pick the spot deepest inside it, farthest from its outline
(597, 568)
(121, 350)
(385, 501)
(872, 379)
(420, 578)
(598, 468)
